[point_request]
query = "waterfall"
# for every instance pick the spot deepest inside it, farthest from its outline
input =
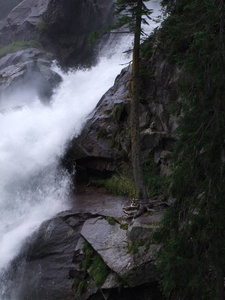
(34, 137)
(33, 185)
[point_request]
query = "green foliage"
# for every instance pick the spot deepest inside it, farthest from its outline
(121, 184)
(86, 262)
(99, 270)
(192, 232)
(124, 226)
(89, 253)
(82, 287)
(94, 36)
(79, 285)
(117, 110)
(111, 220)
(41, 26)
(95, 265)
(126, 10)
(133, 247)
(15, 46)
(148, 45)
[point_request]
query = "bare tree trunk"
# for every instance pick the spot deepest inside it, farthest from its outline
(135, 132)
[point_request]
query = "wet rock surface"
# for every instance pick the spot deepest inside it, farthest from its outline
(106, 204)
(6, 7)
(93, 149)
(69, 25)
(20, 23)
(113, 244)
(27, 74)
(52, 258)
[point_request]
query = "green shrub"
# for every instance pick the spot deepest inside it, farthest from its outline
(82, 287)
(117, 110)
(111, 220)
(121, 184)
(95, 265)
(89, 253)
(99, 270)
(133, 247)
(124, 226)
(79, 285)
(41, 26)
(15, 46)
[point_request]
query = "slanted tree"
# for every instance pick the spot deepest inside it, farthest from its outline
(132, 14)
(192, 234)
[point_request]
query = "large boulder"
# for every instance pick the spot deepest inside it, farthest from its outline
(42, 270)
(53, 259)
(133, 260)
(27, 74)
(70, 24)
(20, 24)
(62, 27)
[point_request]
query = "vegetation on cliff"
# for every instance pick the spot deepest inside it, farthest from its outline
(122, 183)
(192, 257)
(93, 266)
(18, 45)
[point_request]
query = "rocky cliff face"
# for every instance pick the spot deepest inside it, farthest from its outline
(105, 139)
(62, 28)
(69, 25)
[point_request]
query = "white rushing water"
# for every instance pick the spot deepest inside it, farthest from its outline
(33, 139)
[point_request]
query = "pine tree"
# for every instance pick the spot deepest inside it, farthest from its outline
(131, 14)
(192, 255)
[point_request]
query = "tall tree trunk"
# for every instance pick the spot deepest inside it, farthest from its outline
(135, 132)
